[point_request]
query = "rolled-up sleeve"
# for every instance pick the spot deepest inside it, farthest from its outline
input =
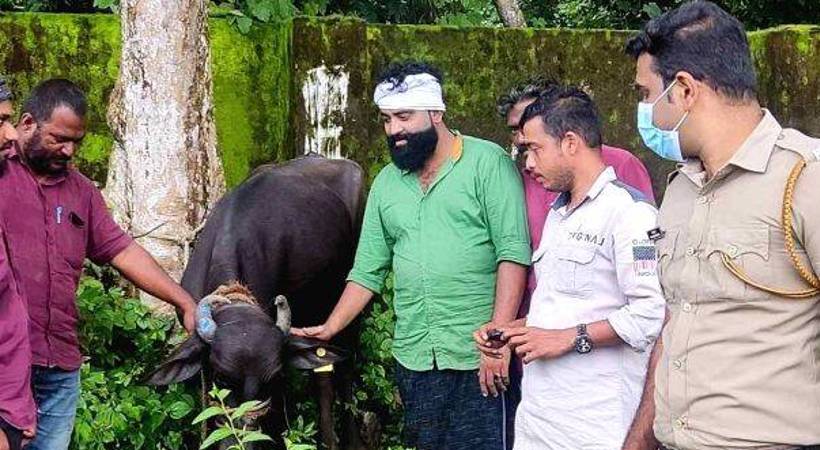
(639, 321)
(374, 253)
(505, 210)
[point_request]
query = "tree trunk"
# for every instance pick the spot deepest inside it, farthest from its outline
(510, 13)
(164, 172)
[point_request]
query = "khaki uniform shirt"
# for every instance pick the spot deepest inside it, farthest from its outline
(740, 368)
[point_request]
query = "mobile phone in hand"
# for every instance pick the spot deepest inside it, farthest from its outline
(496, 338)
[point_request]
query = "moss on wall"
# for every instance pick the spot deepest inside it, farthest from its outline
(251, 96)
(251, 81)
(334, 42)
(481, 63)
(788, 66)
(85, 49)
(258, 105)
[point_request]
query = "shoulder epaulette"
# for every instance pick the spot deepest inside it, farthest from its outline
(806, 146)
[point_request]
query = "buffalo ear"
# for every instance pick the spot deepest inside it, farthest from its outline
(183, 363)
(307, 354)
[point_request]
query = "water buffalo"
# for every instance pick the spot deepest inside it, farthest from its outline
(289, 230)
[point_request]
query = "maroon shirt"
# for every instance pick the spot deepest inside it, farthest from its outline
(52, 226)
(16, 400)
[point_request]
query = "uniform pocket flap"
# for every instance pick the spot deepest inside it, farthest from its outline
(737, 241)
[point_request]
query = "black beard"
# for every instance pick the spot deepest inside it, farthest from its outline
(419, 147)
(563, 182)
(40, 161)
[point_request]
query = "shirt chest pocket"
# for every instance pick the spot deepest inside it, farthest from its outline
(573, 271)
(71, 240)
(744, 249)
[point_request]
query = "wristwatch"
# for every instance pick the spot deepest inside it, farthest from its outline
(583, 344)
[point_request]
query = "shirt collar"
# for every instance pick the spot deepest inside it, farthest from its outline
(605, 177)
(755, 152)
(455, 153)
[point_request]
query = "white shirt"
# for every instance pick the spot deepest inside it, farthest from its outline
(595, 262)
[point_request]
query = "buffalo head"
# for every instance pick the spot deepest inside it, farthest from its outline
(243, 347)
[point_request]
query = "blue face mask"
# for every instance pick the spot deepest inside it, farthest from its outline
(665, 143)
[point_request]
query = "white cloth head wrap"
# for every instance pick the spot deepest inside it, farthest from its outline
(417, 92)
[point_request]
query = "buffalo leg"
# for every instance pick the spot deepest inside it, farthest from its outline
(324, 383)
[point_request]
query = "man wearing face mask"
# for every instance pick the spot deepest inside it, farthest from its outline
(738, 243)
(54, 219)
(447, 216)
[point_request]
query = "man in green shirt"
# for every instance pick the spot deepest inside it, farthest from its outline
(448, 218)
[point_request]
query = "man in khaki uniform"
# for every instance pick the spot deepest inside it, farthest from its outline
(739, 359)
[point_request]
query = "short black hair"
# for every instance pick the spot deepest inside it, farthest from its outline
(51, 94)
(564, 109)
(396, 72)
(704, 40)
(529, 89)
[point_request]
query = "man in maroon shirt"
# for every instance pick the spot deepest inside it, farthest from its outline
(55, 219)
(17, 410)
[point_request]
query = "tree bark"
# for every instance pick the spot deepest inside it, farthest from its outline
(164, 172)
(510, 13)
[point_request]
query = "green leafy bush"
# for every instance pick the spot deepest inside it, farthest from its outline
(123, 341)
(376, 390)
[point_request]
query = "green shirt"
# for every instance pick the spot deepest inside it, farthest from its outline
(444, 247)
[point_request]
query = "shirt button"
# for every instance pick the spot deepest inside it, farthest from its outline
(687, 307)
(678, 364)
(732, 250)
(703, 200)
(680, 423)
(690, 251)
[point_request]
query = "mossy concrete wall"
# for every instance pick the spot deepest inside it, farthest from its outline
(481, 63)
(251, 76)
(260, 111)
(86, 49)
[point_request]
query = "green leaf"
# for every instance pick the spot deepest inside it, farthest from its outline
(315, 7)
(255, 436)
(179, 409)
(207, 414)
(244, 408)
(216, 436)
(222, 394)
(243, 24)
(260, 9)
